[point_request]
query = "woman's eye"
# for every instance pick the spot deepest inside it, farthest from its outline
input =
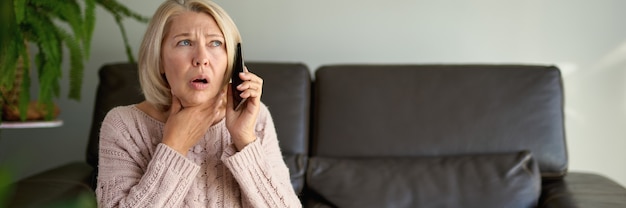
(216, 43)
(184, 43)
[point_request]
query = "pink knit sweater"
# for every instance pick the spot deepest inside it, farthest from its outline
(137, 170)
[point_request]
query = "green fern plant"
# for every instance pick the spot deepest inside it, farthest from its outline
(40, 22)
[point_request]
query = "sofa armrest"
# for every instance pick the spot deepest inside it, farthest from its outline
(583, 190)
(64, 186)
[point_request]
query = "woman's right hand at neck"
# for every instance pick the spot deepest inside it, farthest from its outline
(186, 125)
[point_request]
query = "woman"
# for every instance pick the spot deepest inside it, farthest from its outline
(184, 146)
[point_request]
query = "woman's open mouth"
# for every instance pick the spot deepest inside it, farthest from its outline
(201, 81)
(199, 84)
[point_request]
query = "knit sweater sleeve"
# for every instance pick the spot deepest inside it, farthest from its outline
(260, 170)
(133, 173)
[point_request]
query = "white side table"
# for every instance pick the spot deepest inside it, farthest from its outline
(30, 124)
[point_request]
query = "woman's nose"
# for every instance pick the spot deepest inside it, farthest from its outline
(201, 57)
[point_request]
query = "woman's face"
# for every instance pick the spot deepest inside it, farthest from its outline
(194, 57)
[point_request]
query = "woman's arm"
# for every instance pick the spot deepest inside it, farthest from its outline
(132, 174)
(260, 170)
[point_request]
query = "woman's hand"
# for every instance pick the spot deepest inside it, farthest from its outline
(186, 125)
(241, 123)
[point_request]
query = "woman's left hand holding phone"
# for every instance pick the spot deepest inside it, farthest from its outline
(241, 123)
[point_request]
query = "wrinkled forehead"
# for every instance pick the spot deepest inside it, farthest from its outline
(192, 22)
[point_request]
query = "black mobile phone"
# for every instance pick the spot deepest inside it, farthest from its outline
(238, 102)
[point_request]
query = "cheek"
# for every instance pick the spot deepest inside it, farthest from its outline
(219, 65)
(172, 65)
(172, 61)
(218, 57)
(175, 80)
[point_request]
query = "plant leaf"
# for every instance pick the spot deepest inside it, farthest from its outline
(120, 11)
(24, 97)
(10, 42)
(68, 11)
(76, 64)
(6, 188)
(115, 8)
(48, 57)
(20, 10)
(90, 24)
(129, 52)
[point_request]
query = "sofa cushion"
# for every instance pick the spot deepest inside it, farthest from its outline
(494, 180)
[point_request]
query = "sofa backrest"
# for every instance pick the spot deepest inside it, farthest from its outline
(286, 93)
(365, 111)
(118, 86)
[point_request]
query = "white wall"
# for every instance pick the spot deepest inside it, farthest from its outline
(586, 38)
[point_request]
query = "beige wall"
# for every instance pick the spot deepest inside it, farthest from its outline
(586, 38)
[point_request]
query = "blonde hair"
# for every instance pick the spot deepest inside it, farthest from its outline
(153, 83)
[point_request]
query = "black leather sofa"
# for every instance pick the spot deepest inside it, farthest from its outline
(390, 136)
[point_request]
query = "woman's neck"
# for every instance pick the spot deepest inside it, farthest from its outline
(162, 115)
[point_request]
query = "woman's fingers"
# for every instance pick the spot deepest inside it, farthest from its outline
(252, 85)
